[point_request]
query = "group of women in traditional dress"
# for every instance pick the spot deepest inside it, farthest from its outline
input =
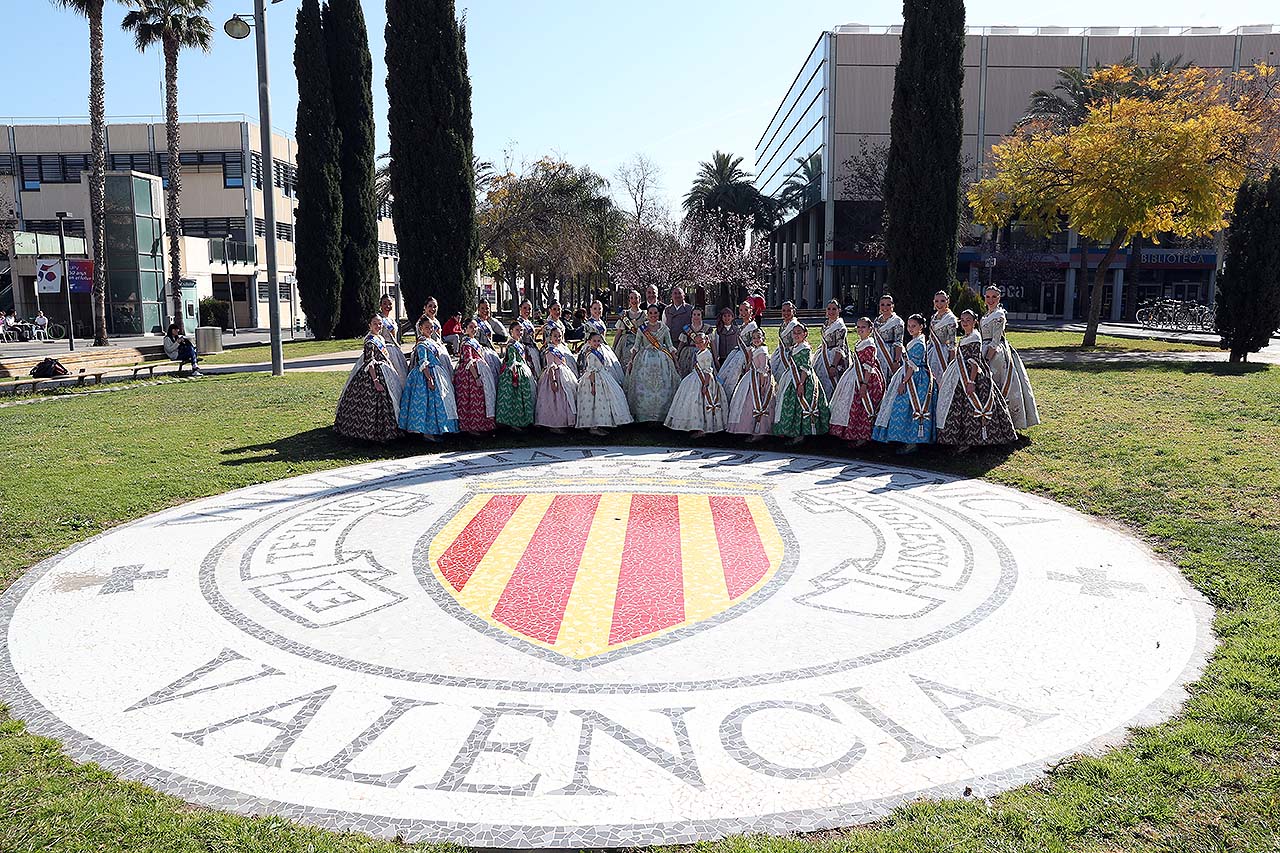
(943, 379)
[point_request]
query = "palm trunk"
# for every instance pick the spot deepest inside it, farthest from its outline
(173, 200)
(1099, 281)
(97, 172)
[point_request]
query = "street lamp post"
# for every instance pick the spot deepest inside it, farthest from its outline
(66, 279)
(238, 28)
(231, 293)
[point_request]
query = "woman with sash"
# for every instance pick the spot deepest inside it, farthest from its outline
(833, 354)
(601, 401)
(529, 337)
(390, 335)
(887, 331)
(856, 400)
(474, 385)
(906, 413)
(652, 377)
(1006, 365)
(515, 385)
(554, 320)
(369, 406)
(735, 363)
(942, 335)
(971, 410)
(801, 406)
(557, 397)
(751, 406)
(488, 330)
(627, 329)
(427, 406)
(699, 405)
(595, 323)
(778, 364)
(686, 351)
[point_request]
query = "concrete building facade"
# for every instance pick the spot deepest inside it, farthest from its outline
(832, 126)
(43, 169)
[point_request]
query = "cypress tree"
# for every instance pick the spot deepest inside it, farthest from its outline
(351, 76)
(432, 172)
(319, 216)
(922, 177)
(1248, 296)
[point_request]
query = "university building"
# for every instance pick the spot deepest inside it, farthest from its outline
(43, 171)
(833, 123)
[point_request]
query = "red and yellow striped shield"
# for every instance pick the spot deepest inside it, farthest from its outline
(586, 572)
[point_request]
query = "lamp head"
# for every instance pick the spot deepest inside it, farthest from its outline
(236, 27)
(62, 214)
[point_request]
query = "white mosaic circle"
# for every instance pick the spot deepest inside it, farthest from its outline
(597, 647)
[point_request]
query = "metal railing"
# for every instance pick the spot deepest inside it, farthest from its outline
(240, 253)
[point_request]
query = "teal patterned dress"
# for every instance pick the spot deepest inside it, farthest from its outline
(515, 389)
(806, 412)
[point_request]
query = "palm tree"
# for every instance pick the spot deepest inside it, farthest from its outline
(803, 188)
(174, 25)
(723, 186)
(92, 11)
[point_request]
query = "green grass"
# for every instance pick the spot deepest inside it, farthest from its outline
(260, 353)
(1185, 455)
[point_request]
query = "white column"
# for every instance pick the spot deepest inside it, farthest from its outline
(1069, 292)
(811, 274)
(1117, 291)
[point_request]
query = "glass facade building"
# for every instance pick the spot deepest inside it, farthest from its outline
(135, 255)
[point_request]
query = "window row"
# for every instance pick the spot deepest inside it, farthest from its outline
(37, 169)
(283, 175)
(214, 227)
(74, 227)
(388, 250)
(284, 230)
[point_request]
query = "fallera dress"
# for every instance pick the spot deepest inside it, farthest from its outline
(591, 324)
(888, 333)
(369, 406)
(907, 416)
(428, 407)
(751, 408)
(394, 352)
(942, 342)
(686, 352)
(652, 377)
(700, 403)
(557, 398)
(475, 389)
(856, 400)
(833, 355)
(529, 338)
(487, 331)
(601, 401)
(778, 363)
(980, 418)
(801, 406)
(734, 363)
(1007, 370)
(629, 323)
(515, 389)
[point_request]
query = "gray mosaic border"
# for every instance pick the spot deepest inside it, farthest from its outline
(999, 595)
(82, 748)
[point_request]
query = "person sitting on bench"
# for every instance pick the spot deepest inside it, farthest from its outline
(178, 347)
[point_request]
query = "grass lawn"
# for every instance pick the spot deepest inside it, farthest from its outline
(260, 353)
(1183, 454)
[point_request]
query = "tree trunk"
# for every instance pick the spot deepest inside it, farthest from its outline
(173, 201)
(97, 172)
(1099, 282)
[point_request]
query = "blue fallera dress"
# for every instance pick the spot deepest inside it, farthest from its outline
(907, 416)
(424, 409)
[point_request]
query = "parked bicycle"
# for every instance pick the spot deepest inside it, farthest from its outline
(1176, 314)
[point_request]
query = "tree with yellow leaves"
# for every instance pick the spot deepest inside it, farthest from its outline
(1155, 154)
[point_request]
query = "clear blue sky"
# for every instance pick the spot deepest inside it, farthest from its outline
(594, 81)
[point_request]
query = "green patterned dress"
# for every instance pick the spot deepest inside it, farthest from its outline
(807, 414)
(515, 389)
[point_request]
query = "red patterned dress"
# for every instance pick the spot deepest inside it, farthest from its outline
(474, 389)
(856, 400)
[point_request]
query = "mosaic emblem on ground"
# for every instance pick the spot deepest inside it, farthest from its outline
(597, 647)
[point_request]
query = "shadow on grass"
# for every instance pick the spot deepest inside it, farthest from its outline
(712, 451)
